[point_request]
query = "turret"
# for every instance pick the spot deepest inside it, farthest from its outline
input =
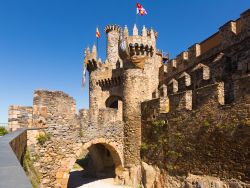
(141, 66)
(94, 52)
(125, 31)
(135, 30)
(113, 35)
(90, 59)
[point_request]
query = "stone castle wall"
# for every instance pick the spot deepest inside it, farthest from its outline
(52, 108)
(212, 140)
(205, 130)
(19, 117)
(70, 135)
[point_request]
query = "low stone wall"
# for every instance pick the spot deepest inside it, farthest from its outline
(12, 150)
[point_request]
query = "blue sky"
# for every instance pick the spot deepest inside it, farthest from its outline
(42, 41)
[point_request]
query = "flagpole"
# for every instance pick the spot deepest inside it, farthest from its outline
(136, 19)
(96, 47)
(136, 16)
(97, 44)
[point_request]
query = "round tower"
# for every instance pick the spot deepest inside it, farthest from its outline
(139, 68)
(135, 91)
(113, 35)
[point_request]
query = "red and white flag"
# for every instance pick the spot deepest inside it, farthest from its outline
(98, 35)
(140, 10)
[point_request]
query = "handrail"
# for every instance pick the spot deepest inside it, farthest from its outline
(12, 148)
(3, 124)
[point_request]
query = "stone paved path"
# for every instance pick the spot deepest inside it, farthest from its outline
(104, 183)
(77, 180)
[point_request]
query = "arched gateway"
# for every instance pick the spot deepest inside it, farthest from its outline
(106, 160)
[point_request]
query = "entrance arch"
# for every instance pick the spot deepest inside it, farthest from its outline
(112, 147)
(106, 156)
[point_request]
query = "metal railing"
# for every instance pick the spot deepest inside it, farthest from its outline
(4, 125)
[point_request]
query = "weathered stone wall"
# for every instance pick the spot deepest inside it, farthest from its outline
(211, 140)
(51, 108)
(211, 92)
(206, 132)
(180, 101)
(69, 134)
(211, 137)
(55, 114)
(152, 176)
(19, 117)
(155, 107)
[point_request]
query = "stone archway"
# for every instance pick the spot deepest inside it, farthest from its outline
(94, 147)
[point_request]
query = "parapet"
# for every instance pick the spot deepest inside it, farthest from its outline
(146, 41)
(211, 94)
(113, 27)
(230, 33)
(153, 108)
(181, 101)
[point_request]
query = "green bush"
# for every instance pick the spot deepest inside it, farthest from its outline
(144, 147)
(206, 123)
(3, 131)
(174, 154)
(158, 123)
(247, 123)
(43, 137)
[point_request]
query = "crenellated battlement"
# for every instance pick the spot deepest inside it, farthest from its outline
(113, 27)
(201, 65)
(207, 71)
(230, 33)
(146, 41)
(90, 59)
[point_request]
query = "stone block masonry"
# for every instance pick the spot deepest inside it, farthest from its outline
(52, 108)
(20, 117)
(212, 140)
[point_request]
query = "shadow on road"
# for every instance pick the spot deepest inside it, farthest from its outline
(79, 178)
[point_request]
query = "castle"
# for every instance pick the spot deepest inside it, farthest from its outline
(132, 87)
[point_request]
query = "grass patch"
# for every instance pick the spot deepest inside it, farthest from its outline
(206, 123)
(33, 175)
(43, 137)
(247, 123)
(158, 123)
